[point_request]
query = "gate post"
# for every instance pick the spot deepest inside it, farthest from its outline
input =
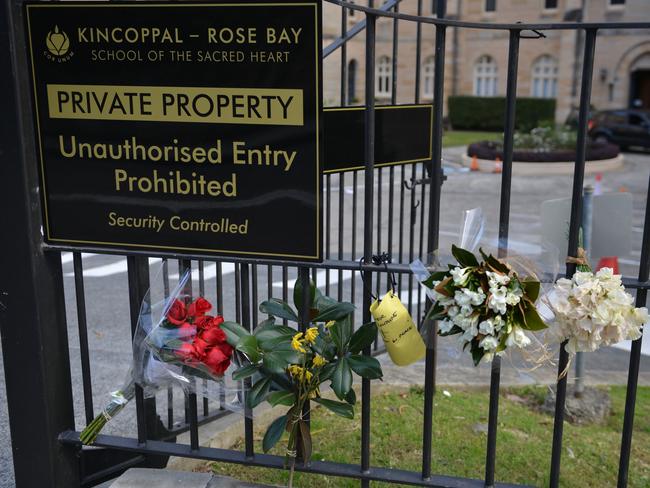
(32, 306)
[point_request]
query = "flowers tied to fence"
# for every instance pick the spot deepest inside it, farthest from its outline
(290, 367)
(486, 302)
(185, 344)
(593, 310)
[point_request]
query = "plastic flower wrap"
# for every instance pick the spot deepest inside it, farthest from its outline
(175, 343)
(291, 367)
(594, 310)
(487, 303)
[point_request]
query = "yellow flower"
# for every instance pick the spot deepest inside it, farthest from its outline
(300, 373)
(330, 323)
(311, 334)
(319, 361)
(297, 342)
(315, 393)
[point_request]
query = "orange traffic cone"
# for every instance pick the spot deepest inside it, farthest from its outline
(474, 165)
(608, 262)
(498, 167)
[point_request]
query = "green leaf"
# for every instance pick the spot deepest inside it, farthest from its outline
(274, 433)
(327, 371)
(248, 345)
(335, 311)
(363, 337)
(365, 366)
(278, 308)
(437, 276)
(245, 372)
(297, 293)
(339, 408)
(531, 289)
(234, 332)
(341, 333)
(351, 397)
(284, 397)
(258, 392)
(273, 332)
(264, 324)
(341, 378)
(464, 258)
(477, 352)
(533, 320)
(275, 362)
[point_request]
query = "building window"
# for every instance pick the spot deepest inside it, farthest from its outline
(544, 77)
(383, 77)
(490, 5)
(616, 3)
(428, 70)
(352, 81)
(485, 77)
(550, 4)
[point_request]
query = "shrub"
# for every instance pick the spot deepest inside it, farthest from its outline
(487, 113)
(492, 150)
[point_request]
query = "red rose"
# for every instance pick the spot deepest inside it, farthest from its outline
(186, 351)
(213, 335)
(203, 322)
(177, 313)
(201, 347)
(226, 348)
(199, 307)
(217, 361)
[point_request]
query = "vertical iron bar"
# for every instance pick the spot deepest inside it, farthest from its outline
(201, 265)
(328, 228)
(138, 276)
(341, 231)
(269, 281)
(401, 221)
(433, 235)
(393, 91)
(185, 265)
(504, 226)
(418, 53)
(285, 287)
(246, 323)
(574, 229)
(170, 390)
(254, 291)
(83, 335)
(369, 151)
(344, 55)
(353, 256)
(238, 288)
(635, 355)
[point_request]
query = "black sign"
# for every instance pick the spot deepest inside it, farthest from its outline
(188, 128)
(402, 136)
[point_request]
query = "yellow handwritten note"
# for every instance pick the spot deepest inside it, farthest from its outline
(403, 341)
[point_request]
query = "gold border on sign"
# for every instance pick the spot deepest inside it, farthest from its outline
(319, 251)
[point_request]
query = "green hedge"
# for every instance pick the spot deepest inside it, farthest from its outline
(487, 113)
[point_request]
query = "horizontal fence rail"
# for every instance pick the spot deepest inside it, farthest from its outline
(355, 206)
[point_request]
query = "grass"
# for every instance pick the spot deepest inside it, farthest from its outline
(589, 457)
(463, 138)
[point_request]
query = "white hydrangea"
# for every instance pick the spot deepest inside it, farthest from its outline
(497, 301)
(517, 338)
(594, 310)
(460, 275)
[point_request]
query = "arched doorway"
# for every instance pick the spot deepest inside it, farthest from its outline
(640, 82)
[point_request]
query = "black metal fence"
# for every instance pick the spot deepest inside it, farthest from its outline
(46, 447)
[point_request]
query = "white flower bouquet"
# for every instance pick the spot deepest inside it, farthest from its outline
(594, 310)
(486, 302)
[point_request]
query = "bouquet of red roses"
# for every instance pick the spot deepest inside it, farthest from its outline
(191, 338)
(176, 342)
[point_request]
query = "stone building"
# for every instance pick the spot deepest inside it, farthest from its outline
(476, 60)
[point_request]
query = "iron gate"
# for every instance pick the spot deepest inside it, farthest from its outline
(46, 446)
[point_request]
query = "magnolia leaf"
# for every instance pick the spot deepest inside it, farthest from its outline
(273, 331)
(335, 311)
(351, 397)
(533, 321)
(341, 333)
(233, 332)
(464, 258)
(341, 378)
(284, 397)
(437, 276)
(477, 352)
(339, 408)
(258, 392)
(531, 289)
(248, 345)
(263, 325)
(326, 372)
(274, 362)
(245, 372)
(365, 366)
(363, 337)
(278, 308)
(274, 433)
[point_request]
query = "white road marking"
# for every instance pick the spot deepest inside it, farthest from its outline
(109, 269)
(209, 271)
(68, 257)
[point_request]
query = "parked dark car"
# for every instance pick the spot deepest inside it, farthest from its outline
(630, 127)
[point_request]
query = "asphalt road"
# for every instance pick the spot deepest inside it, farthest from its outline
(107, 293)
